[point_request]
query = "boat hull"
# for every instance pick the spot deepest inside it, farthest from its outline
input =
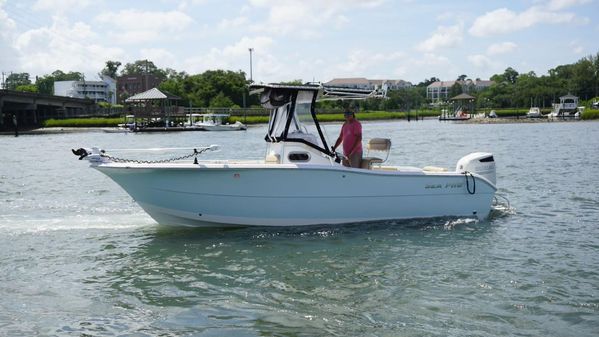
(266, 196)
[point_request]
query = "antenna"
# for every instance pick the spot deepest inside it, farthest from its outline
(335, 93)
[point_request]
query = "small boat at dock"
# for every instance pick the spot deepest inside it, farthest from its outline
(463, 109)
(567, 108)
(534, 112)
(214, 122)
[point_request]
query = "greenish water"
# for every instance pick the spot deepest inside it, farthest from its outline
(78, 257)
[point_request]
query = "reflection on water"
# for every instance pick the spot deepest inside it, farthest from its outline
(79, 257)
(319, 278)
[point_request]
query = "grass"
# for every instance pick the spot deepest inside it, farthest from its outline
(510, 112)
(590, 114)
(83, 122)
(364, 116)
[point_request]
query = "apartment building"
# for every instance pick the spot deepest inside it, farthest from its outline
(99, 91)
(439, 91)
(364, 83)
(129, 85)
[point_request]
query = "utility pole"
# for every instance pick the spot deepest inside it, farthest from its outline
(84, 87)
(251, 77)
(146, 77)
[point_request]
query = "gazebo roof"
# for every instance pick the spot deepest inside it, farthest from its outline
(568, 96)
(462, 97)
(152, 94)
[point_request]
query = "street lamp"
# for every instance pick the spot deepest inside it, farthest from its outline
(251, 78)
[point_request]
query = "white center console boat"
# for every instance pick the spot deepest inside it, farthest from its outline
(300, 181)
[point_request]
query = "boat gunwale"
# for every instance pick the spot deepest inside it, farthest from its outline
(258, 165)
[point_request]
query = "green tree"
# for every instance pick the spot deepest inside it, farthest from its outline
(221, 101)
(509, 75)
(45, 84)
(110, 69)
(202, 89)
(405, 98)
(27, 88)
(294, 82)
(143, 67)
(455, 89)
(212, 82)
(15, 80)
(428, 82)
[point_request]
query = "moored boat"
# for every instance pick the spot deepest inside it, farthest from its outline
(534, 112)
(567, 108)
(216, 122)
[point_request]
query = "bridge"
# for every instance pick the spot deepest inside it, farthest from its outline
(29, 110)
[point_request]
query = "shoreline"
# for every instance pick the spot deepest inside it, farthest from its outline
(64, 130)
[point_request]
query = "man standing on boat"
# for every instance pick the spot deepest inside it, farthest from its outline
(351, 137)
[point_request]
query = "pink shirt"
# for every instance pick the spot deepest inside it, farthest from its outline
(350, 132)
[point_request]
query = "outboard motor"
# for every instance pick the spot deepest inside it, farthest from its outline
(481, 163)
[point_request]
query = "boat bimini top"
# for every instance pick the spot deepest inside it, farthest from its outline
(293, 114)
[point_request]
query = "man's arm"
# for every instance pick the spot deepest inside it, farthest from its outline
(337, 143)
(339, 139)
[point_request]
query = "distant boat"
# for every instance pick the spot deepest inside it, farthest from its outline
(215, 122)
(534, 112)
(460, 114)
(128, 126)
(463, 106)
(492, 114)
(566, 108)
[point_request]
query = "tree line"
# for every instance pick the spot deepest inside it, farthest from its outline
(225, 88)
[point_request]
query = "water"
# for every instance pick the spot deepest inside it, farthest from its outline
(79, 258)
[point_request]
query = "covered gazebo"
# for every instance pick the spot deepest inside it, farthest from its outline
(152, 107)
(463, 104)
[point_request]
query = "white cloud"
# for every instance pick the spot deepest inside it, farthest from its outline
(306, 18)
(427, 65)
(576, 47)
(503, 20)
(480, 61)
(501, 48)
(362, 63)
(137, 26)
(8, 54)
(236, 57)
(7, 25)
(556, 5)
(187, 5)
(443, 37)
(63, 46)
(227, 24)
(162, 58)
(61, 6)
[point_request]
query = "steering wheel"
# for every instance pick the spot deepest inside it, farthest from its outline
(339, 157)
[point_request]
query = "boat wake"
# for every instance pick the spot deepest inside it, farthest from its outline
(501, 208)
(113, 222)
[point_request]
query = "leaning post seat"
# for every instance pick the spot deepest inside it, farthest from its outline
(379, 145)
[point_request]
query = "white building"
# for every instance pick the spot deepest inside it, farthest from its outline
(99, 91)
(439, 91)
(363, 83)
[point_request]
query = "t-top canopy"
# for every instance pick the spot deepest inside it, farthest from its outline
(275, 95)
(293, 117)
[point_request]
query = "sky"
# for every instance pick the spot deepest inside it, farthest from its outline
(310, 40)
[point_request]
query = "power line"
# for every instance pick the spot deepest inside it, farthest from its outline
(25, 19)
